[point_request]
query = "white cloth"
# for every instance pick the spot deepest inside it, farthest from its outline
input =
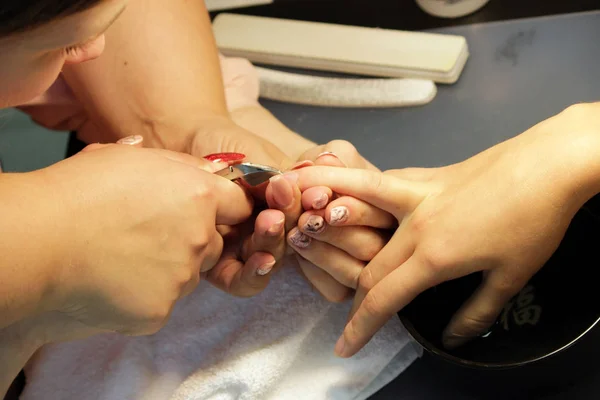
(278, 345)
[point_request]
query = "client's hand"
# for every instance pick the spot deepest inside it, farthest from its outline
(337, 234)
(503, 212)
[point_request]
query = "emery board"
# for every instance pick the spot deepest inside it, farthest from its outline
(342, 48)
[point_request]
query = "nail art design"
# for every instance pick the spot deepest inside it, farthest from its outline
(265, 268)
(338, 215)
(229, 158)
(321, 202)
(299, 239)
(315, 224)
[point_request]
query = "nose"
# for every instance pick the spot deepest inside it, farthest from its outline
(86, 52)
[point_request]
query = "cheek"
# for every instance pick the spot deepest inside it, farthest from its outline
(21, 82)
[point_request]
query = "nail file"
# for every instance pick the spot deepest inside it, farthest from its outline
(344, 92)
(342, 48)
(217, 5)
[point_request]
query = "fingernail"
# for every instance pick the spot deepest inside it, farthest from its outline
(276, 228)
(340, 347)
(338, 215)
(327, 153)
(299, 239)
(302, 164)
(283, 194)
(332, 154)
(321, 202)
(265, 268)
(131, 140)
(315, 224)
(451, 341)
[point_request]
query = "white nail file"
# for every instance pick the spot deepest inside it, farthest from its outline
(342, 48)
(217, 5)
(344, 92)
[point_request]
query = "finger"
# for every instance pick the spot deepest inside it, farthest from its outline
(212, 254)
(340, 265)
(95, 146)
(184, 158)
(413, 174)
(398, 250)
(316, 198)
(268, 235)
(350, 211)
(386, 298)
(359, 242)
(234, 205)
(283, 194)
(241, 279)
(325, 284)
(338, 153)
(479, 312)
(391, 194)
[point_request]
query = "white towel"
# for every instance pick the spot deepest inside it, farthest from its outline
(278, 345)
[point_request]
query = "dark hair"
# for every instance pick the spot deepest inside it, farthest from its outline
(18, 16)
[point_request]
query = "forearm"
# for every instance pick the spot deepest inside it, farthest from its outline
(159, 75)
(29, 246)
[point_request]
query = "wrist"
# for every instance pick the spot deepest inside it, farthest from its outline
(53, 220)
(30, 246)
(575, 134)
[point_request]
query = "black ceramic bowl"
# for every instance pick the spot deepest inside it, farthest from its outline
(558, 307)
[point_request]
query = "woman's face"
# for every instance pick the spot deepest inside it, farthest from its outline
(31, 61)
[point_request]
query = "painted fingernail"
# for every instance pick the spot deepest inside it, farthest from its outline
(314, 224)
(321, 202)
(302, 164)
(283, 194)
(276, 228)
(229, 158)
(337, 215)
(265, 268)
(299, 239)
(131, 140)
(340, 347)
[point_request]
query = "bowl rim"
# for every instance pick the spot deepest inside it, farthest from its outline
(429, 347)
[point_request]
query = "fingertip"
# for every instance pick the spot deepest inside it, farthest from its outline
(316, 198)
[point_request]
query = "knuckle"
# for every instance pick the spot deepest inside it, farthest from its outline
(438, 258)
(373, 305)
(365, 281)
